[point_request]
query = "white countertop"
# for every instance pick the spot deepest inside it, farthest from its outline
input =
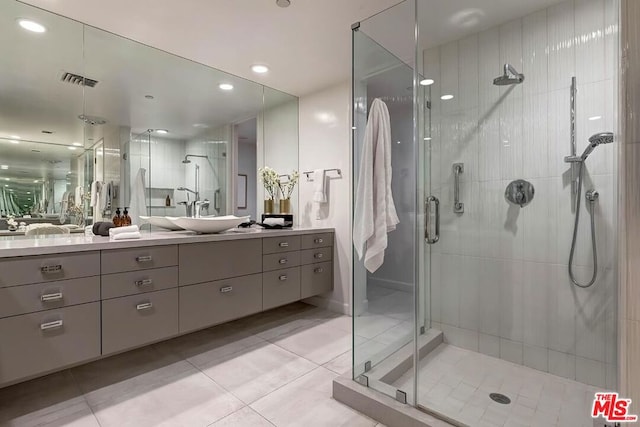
(12, 246)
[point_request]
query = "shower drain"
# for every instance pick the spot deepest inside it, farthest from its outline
(500, 398)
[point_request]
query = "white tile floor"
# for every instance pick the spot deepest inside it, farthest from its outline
(271, 369)
(456, 383)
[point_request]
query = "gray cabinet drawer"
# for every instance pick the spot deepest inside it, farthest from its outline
(121, 260)
(136, 320)
(272, 245)
(46, 268)
(45, 296)
(211, 303)
(311, 256)
(278, 261)
(40, 342)
(280, 287)
(316, 279)
(137, 282)
(205, 262)
(310, 241)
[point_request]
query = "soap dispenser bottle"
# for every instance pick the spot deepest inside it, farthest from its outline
(127, 219)
(117, 218)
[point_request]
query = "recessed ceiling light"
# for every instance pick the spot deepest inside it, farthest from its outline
(260, 69)
(36, 181)
(4, 167)
(225, 86)
(162, 131)
(32, 26)
(72, 148)
(200, 126)
(426, 82)
(446, 97)
(77, 144)
(28, 192)
(283, 3)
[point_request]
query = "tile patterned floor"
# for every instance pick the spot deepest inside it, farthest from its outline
(456, 383)
(271, 369)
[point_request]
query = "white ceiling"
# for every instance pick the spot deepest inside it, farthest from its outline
(307, 45)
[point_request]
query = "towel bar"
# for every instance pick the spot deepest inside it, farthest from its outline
(338, 171)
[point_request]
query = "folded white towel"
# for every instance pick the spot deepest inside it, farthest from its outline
(274, 221)
(319, 191)
(125, 236)
(121, 230)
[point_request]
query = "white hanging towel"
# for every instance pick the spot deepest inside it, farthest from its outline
(138, 203)
(78, 196)
(319, 189)
(375, 212)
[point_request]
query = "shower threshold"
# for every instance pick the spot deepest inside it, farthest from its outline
(455, 387)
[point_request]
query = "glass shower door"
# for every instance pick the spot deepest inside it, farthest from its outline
(383, 316)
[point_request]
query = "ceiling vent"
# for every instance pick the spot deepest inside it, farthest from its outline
(78, 80)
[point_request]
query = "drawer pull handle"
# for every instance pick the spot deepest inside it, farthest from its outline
(144, 282)
(51, 297)
(144, 306)
(145, 258)
(318, 270)
(318, 241)
(51, 325)
(284, 244)
(283, 261)
(318, 255)
(51, 269)
(226, 289)
(283, 277)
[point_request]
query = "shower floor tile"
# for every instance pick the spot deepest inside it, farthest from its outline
(456, 383)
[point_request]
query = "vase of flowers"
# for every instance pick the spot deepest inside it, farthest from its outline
(12, 225)
(286, 189)
(271, 183)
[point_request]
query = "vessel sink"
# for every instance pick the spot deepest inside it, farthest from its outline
(211, 224)
(161, 221)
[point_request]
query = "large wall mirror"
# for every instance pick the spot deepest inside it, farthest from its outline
(91, 121)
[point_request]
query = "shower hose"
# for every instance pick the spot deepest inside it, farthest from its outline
(575, 235)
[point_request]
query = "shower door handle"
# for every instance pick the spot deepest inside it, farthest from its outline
(427, 220)
(458, 206)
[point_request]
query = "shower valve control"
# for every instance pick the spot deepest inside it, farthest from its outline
(519, 192)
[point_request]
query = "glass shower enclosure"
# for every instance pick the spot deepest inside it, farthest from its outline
(497, 116)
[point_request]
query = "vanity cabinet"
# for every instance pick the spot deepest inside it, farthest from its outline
(136, 320)
(65, 309)
(211, 303)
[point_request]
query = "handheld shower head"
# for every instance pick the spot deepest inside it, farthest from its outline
(510, 77)
(594, 141)
(601, 138)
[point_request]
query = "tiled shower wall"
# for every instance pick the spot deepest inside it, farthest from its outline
(499, 282)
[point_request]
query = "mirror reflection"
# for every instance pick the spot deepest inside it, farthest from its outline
(92, 123)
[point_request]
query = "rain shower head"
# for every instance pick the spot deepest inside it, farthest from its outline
(594, 141)
(510, 77)
(186, 158)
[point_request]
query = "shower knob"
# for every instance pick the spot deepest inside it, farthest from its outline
(592, 195)
(519, 192)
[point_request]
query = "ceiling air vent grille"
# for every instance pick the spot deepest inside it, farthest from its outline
(78, 80)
